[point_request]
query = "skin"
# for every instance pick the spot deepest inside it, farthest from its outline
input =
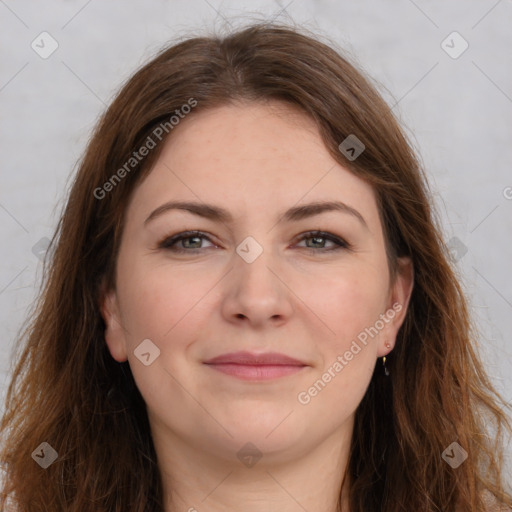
(296, 298)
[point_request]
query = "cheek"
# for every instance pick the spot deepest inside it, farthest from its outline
(351, 306)
(158, 300)
(170, 307)
(351, 302)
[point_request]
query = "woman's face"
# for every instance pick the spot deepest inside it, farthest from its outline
(254, 280)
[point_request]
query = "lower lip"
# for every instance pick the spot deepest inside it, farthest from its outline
(256, 372)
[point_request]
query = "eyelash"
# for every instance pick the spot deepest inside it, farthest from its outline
(169, 243)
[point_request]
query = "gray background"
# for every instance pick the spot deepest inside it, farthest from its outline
(457, 112)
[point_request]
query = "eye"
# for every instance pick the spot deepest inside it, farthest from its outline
(319, 239)
(191, 242)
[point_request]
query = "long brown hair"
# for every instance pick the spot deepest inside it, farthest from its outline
(69, 392)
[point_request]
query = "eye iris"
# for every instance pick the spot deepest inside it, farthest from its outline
(316, 240)
(197, 238)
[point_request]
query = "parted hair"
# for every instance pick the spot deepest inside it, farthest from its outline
(68, 391)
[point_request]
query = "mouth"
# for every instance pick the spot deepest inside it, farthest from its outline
(249, 366)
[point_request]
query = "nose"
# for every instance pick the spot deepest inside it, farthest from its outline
(257, 293)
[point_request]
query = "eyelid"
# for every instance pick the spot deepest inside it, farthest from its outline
(170, 241)
(338, 240)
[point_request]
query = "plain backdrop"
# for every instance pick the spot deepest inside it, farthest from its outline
(455, 105)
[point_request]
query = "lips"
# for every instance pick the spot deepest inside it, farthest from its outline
(249, 366)
(247, 358)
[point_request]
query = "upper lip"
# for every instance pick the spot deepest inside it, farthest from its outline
(249, 358)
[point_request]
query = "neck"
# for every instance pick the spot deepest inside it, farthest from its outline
(195, 480)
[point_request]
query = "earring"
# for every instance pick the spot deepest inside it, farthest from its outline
(386, 371)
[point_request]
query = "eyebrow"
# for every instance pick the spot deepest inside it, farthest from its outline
(219, 214)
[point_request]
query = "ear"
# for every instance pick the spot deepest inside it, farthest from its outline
(398, 302)
(115, 335)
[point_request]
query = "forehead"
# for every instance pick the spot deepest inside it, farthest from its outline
(251, 155)
(261, 131)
